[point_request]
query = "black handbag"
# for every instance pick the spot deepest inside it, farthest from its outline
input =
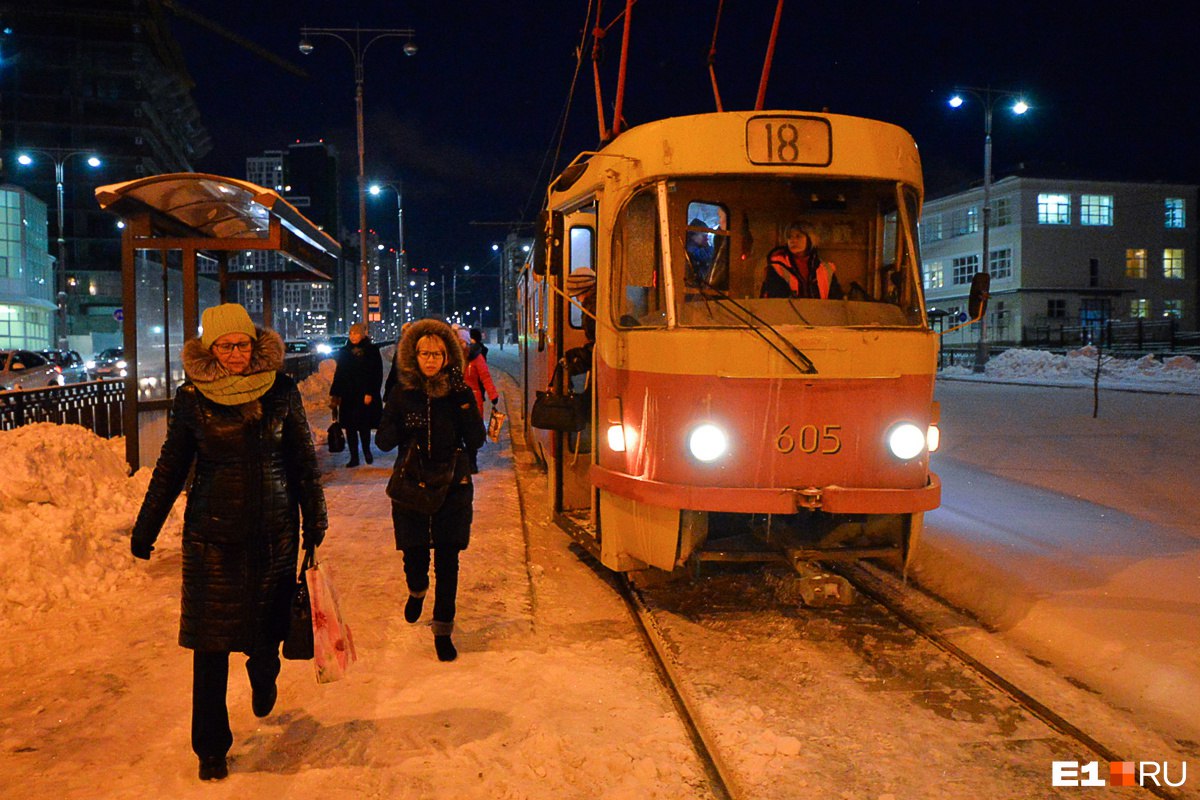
(421, 484)
(298, 644)
(337, 436)
(565, 412)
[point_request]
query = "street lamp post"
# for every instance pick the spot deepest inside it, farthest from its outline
(60, 156)
(987, 98)
(358, 50)
(401, 256)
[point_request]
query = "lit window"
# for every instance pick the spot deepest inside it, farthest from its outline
(1173, 308)
(1175, 212)
(1139, 309)
(1096, 209)
(934, 277)
(1000, 263)
(1135, 262)
(1054, 209)
(1173, 262)
(963, 268)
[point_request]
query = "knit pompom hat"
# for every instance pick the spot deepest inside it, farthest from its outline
(580, 281)
(226, 318)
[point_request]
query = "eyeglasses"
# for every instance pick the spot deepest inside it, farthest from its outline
(433, 355)
(225, 348)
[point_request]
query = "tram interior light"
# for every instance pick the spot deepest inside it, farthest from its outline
(708, 442)
(906, 441)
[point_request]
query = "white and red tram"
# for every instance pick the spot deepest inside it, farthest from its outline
(725, 425)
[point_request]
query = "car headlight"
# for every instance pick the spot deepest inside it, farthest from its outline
(906, 441)
(324, 349)
(90, 365)
(121, 365)
(708, 442)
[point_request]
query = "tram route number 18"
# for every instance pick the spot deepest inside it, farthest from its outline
(809, 439)
(788, 140)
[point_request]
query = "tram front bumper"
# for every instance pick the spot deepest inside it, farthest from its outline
(831, 499)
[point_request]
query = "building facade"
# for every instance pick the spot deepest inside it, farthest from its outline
(27, 305)
(83, 78)
(1064, 254)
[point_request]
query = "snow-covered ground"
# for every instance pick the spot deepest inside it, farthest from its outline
(1071, 535)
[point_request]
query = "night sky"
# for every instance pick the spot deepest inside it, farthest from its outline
(469, 123)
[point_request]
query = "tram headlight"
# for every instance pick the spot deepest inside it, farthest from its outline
(616, 438)
(707, 442)
(933, 438)
(906, 441)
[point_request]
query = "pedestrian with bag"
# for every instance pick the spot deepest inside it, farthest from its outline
(354, 393)
(432, 416)
(479, 378)
(239, 423)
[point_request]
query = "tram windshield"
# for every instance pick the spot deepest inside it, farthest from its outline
(779, 251)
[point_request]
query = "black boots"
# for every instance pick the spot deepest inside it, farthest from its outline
(213, 768)
(445, 648)
(263, 701)
(412, 609)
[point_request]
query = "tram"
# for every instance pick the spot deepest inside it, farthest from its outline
(722, 424)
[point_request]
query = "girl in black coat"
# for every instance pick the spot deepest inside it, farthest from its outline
(241, 424)
(431, 407)
(355, 391)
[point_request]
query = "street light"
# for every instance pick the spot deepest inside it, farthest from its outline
(60, 157)
(401, 256)
(988, 98)
(358, 50)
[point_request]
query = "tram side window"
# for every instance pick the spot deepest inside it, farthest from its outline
(706, 247)
(582, 254)
(638, 300)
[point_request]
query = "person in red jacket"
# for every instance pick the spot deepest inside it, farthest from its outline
(479, 378)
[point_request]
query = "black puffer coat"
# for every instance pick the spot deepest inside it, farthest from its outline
(255, 472)
(440, 413)
(359, 374)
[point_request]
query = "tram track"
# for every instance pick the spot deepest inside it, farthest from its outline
(656, 623)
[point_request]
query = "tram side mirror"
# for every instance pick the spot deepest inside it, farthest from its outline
(547, 250)
(978, 299)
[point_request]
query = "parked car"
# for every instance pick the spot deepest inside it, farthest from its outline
(70, 365)
(25, 369)
(109, 363)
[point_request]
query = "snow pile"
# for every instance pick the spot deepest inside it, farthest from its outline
(67, 505)
(1078, 368)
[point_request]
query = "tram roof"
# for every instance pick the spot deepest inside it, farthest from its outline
(223, 212)
(693, 145)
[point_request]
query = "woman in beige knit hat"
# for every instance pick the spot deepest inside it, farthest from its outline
(240, 423)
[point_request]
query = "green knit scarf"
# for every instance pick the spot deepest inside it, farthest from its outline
(233, 390)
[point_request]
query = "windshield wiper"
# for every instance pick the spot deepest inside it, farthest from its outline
(796, 357)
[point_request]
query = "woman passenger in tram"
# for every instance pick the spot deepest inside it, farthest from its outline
(796, 270)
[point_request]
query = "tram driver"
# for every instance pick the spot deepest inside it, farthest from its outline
(795, 269)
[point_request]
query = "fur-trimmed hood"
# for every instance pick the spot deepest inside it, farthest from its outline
(451, 375)
(200, 364)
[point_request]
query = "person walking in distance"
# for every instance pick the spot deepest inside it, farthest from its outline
(354, 392)
(432, 413)
(237, 425)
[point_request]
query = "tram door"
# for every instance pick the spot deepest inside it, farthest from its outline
(574, 451)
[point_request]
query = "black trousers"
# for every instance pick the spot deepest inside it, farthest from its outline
(211, 735)
(352, 437)
(445, 589)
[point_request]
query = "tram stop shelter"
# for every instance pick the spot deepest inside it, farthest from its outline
(179, 234)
